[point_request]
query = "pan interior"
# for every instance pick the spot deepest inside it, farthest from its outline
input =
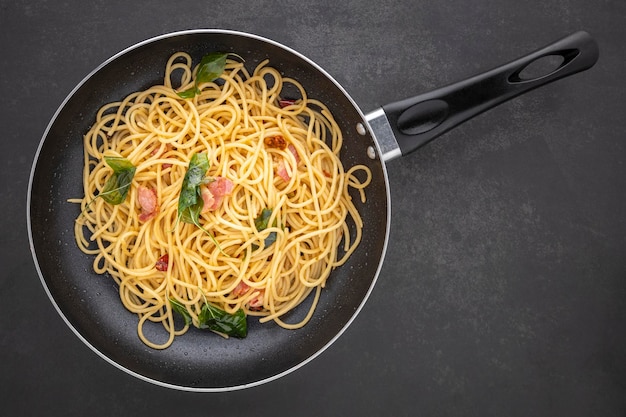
(89, 303)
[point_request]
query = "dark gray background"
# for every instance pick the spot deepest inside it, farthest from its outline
(503, 292)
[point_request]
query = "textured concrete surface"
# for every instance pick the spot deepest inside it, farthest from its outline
(503, 292)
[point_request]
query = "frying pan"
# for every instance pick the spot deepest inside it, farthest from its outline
(200, 361)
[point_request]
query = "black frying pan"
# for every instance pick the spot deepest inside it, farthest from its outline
(201, 361)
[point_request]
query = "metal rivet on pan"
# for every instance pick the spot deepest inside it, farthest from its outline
(361, 129)
(371, 152)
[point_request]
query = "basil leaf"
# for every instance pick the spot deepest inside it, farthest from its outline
(270, 239)
(118, 163)
(218, 320)
(189, 93)
(190, 201)
(261, 223)
(211, 67)
(181, 309)
(191, 215)
(117, 186)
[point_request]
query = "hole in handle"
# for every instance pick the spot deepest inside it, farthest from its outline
(422, 117)
(543, 66)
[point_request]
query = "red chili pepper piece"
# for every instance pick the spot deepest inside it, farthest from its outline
(161, 264)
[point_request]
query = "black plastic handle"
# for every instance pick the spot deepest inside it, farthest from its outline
(418, 120)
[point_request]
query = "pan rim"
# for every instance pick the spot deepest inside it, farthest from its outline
(41, 273)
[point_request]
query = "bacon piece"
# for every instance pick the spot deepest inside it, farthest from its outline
(155, 152)
(157, 148)
(213, 194)
(207, 199)
(148, 202)
(292, 149)
(281, 170)
(281, 167)
(256, 303)
(221, 187)
(286, 102)
(162, 263)
(241, 289)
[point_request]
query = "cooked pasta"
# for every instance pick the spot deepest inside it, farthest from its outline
(276, 217)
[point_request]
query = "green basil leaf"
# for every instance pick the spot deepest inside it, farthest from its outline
(261, 223)
(211, 67)
(191, 214)
(190, 201)
(116, 188)
(218, 320)
(199, 164)
(189, 93)
(270, 239)
(181, 309)
(118, 163)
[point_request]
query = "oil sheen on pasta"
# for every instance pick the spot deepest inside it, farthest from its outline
(274, 153)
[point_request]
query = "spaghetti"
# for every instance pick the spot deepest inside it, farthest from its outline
(276, 214)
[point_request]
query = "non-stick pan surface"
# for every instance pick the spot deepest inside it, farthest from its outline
(198, 360)
(90, 303)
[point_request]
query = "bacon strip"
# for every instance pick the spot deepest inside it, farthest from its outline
(281, 168)
(207, 199)
(155, 152)
(256, 302)
(213, 194)
(292, 149)
(240, 289)
(286, 102)
(148, 202)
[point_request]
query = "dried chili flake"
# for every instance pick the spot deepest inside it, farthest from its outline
(162, 263)
(275, 142)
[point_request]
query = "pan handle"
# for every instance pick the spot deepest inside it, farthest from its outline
(418, 120)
